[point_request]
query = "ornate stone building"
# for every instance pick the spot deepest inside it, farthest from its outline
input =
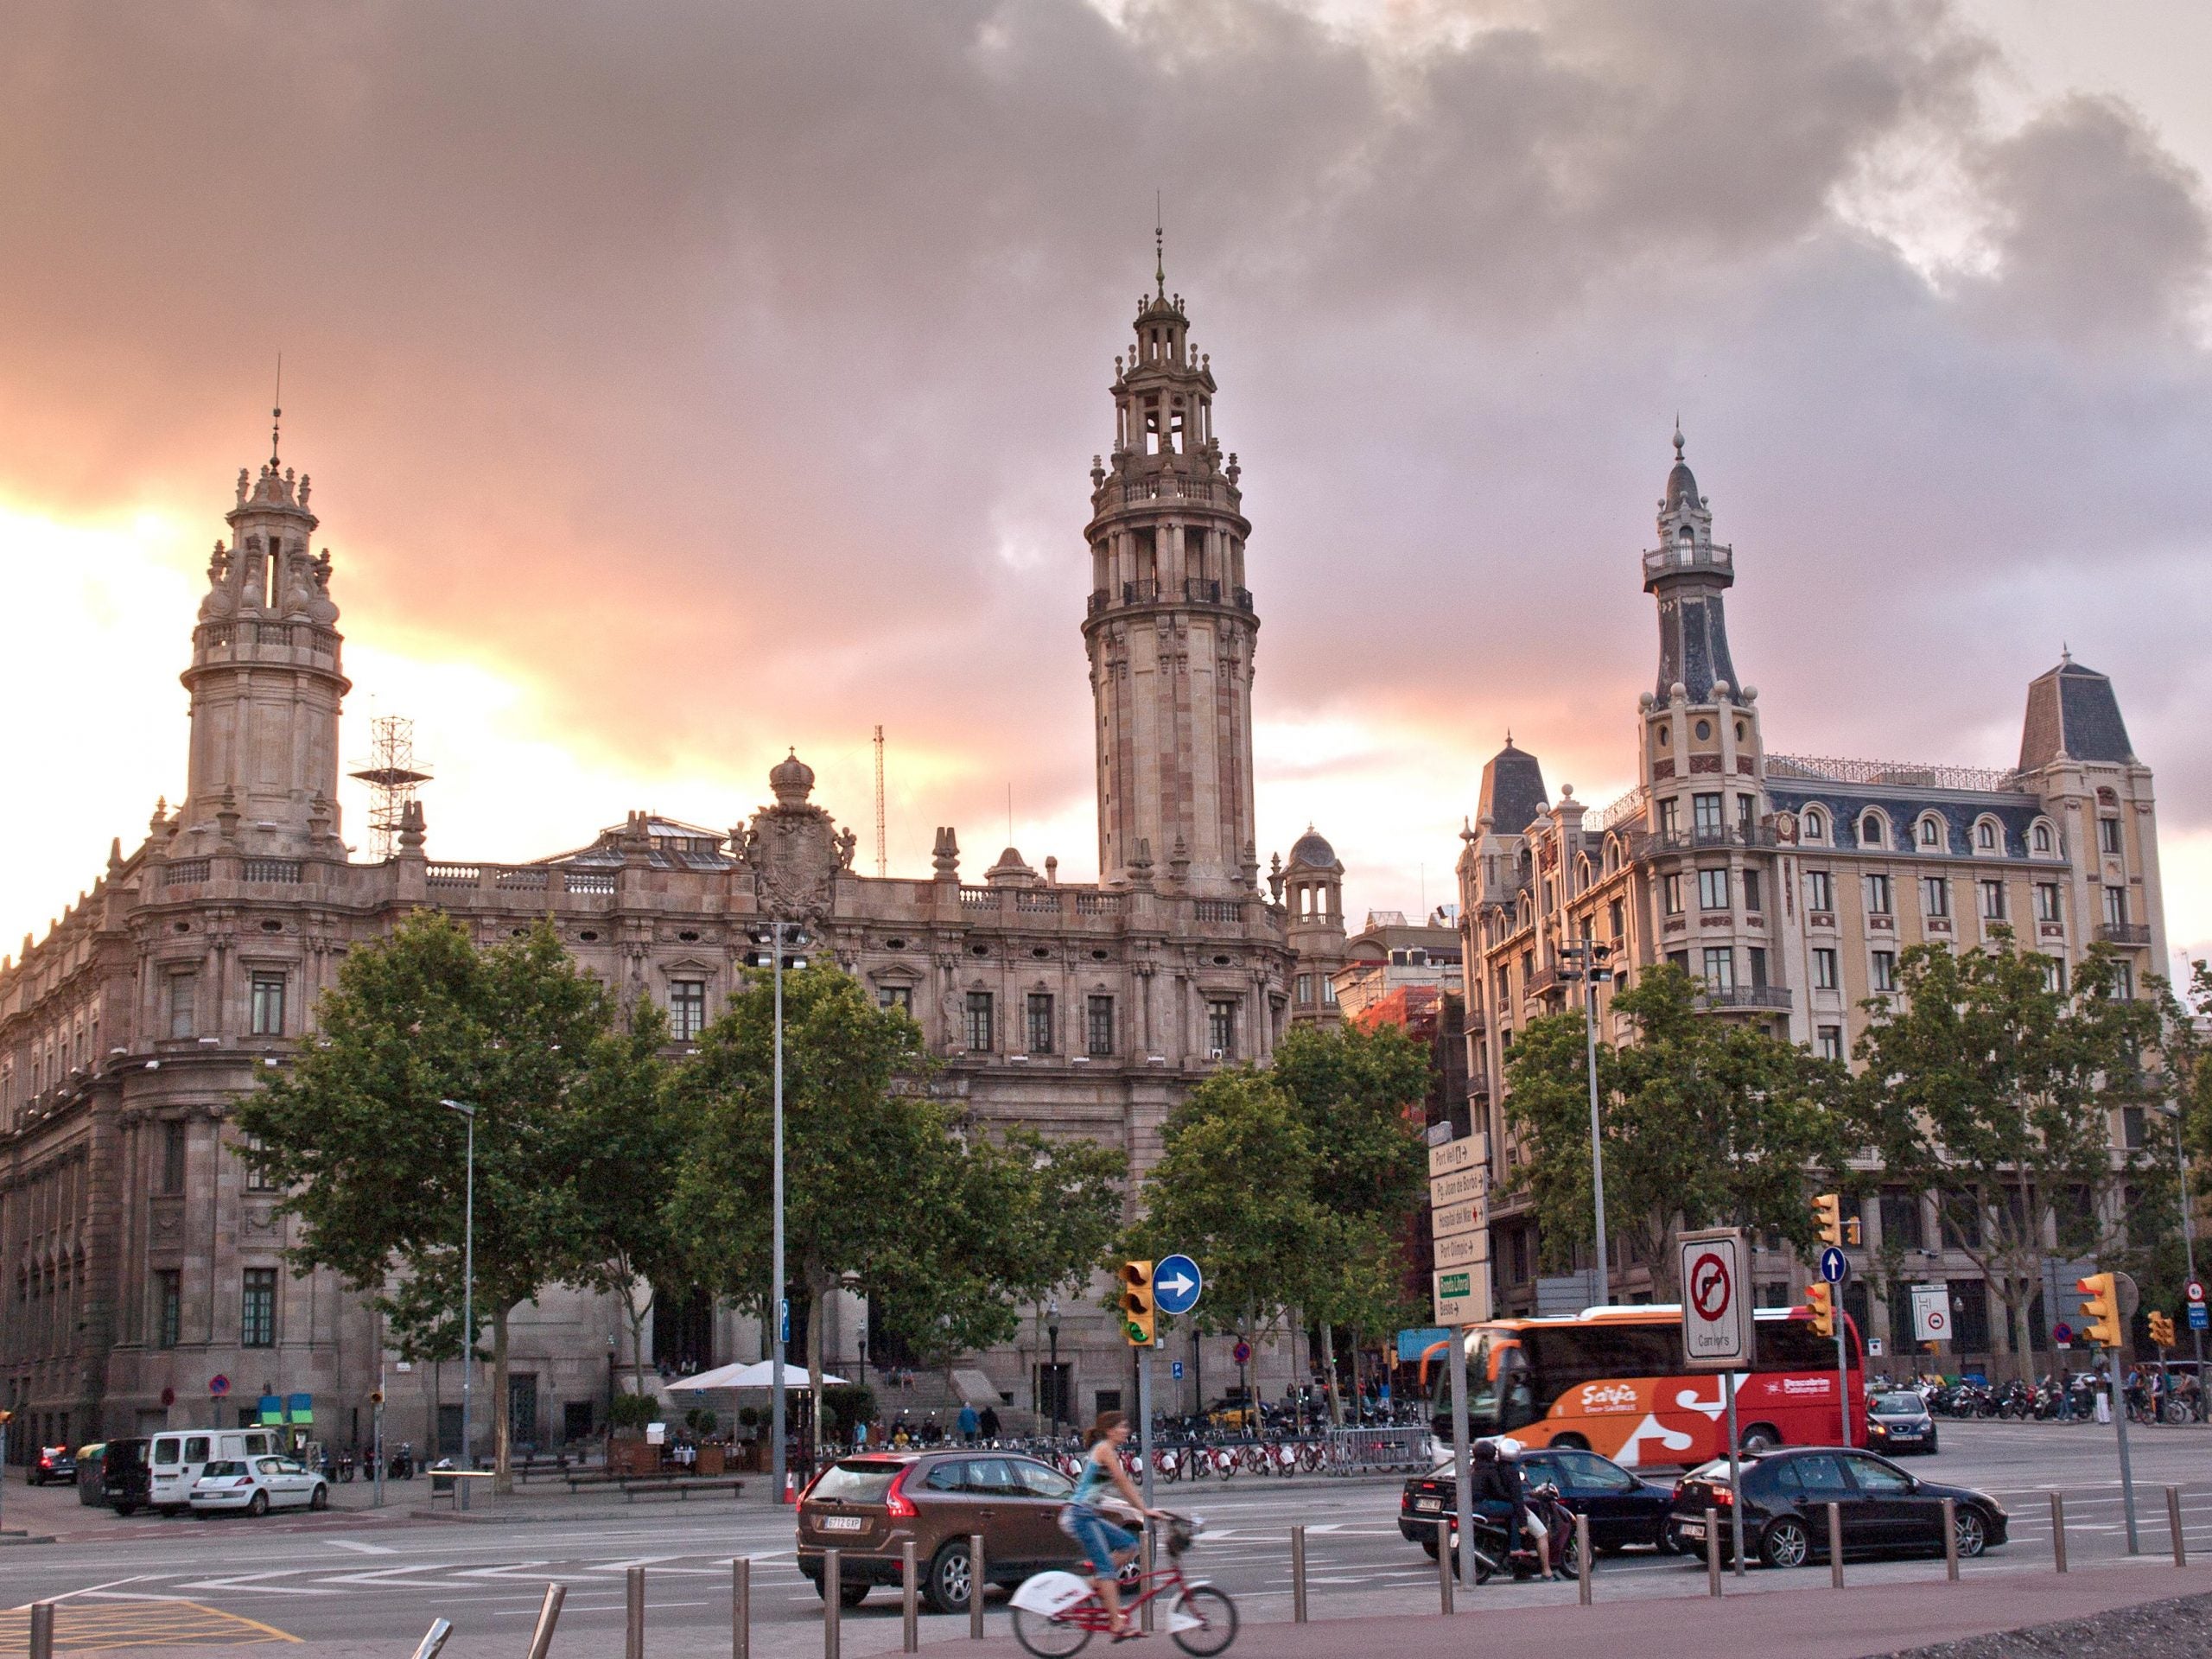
(141, 1260)
(1790, 885)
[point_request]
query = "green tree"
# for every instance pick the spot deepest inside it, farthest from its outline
(1360, 1095)
(1706, 1122)
(1986, 1085)
(372, 1165)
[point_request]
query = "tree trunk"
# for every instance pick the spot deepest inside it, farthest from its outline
(816, 1298)
(2024, 1333)
(637, 1315)
(503, 1478)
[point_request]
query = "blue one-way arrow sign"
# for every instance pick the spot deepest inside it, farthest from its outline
(1176, 1283)
(1832, 1265)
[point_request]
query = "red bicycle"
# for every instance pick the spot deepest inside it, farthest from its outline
(1201, 1618)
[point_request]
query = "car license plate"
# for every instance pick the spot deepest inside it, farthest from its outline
(1429, 1505)
(1690, 1528)
(842, 1522)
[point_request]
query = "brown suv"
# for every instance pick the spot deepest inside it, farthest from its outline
(867, 1506)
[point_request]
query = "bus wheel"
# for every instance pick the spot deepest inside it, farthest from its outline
(1761, 1437)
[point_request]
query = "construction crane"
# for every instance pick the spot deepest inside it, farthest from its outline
(882, 859)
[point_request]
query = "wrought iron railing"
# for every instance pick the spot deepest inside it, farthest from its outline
(1901, 774)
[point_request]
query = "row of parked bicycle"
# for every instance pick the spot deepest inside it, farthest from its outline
(1223, 1459)
(2150, 1399)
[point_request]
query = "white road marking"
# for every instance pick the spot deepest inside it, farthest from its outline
(365, 1549)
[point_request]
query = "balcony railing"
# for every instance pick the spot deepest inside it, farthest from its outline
(1896, 774)
(186, 872)
(1746, 996)
(1655, 842)
(1197, 590)
(2124, 933)
(1683, 556)
(284, 872)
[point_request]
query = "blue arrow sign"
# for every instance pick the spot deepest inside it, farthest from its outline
(1833, 1266)
(1176, 1283)
(2196, 1319)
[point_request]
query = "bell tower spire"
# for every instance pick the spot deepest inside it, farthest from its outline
(1171, 629)
(266, 680)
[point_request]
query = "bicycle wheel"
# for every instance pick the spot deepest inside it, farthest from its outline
(1217, 1617)
(1048, 1638)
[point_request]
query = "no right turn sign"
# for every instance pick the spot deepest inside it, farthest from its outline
(1716, 1300)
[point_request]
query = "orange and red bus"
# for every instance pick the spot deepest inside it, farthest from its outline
(1611, 1381)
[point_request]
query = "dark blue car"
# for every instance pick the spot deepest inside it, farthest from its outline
(1624, 1508)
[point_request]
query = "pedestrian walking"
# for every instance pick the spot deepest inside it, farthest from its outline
(969, 1423)
(989, 1422)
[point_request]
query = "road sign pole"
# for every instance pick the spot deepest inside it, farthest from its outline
(1842, 1377)
(2126, 1474)
(1463, 1473)
(1144, 1419)
(1735, 1485)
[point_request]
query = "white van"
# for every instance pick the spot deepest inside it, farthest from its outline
(179, 1455)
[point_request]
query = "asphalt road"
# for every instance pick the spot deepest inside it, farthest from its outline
(369, 1581)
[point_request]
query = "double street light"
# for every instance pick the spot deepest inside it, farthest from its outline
(468, 1295)
(1586, 959)
(774, 940)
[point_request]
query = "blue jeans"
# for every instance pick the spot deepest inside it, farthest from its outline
(1100, 1538)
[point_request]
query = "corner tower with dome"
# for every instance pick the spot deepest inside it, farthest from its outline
(193, 966)
(1788, 886)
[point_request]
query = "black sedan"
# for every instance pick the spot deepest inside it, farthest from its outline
(1785, 1497)
(1898, 1422)
(1622, 1508)
(56, 1466)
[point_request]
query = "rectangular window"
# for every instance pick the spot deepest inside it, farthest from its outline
(1670, 818)
(1704, 813)
(2116, 906)
(901, 997)
(1935, 896)
(1752, 891)
(255, 1180)
(1831, 1042)
(1670, 891)
(1305, 990)
(267, 1009)
(980, 1022)
(173, 1149)
(1758, 965)
(1824, 969)
(1884, 974)
(1680, 959)
(2109, 836)
(1991, 899)
(1747, 806)
(1719, 968)
(1878, 895)
(1328, 992)
(184, 1004)
(2123, 982)
(1221, 1028)
(1820, 892)
(257, 1310)
(1100, 1023)
(168, 1306)
(1901, 1219)
(687, 1008)
(1713, 889)
(1617, 917)
(2054, 975)
(2047, 903)
(1040, 1022)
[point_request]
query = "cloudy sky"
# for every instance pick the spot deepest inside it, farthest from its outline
(682, 381)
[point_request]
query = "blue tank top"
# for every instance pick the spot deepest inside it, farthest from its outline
(1093, 1480)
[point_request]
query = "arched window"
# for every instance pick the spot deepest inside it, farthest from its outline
(2042, 841)
(1931, 832)
(1985, 836)
(1872, 832)
(1816, 824)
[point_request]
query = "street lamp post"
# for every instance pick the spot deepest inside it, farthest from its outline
(779, 933)
(467, 1299)
(1053, 1369)
(1591, 972)
(2188, 1225)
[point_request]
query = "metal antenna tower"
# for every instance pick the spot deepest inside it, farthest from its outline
(391, 778)
(882, 859)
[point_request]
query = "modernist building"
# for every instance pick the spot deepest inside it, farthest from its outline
(142, 1261)
(1391, 955)
(1788, 886)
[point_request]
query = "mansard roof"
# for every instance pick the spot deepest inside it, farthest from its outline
(2072, 713)
(1512, 791)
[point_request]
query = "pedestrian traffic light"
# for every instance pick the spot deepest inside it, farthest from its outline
(2100, 1309)
(1827, 1217)
(1136, 1304)
(2162, 1331)
(1821, 1301)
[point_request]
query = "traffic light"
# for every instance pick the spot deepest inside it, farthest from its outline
(2100, 1309)
(2162, 1331)
(1136, 1304)
(1854, 1233)
(764, 939)
(1827, 1214)
(376, 1396)
(1821, 1301)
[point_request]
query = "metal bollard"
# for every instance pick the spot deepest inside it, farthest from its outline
(1713, 1552)
(833, 1603)
(909, 1611)
(1835, 1545)
(1443, 1554)
(740, 1608)
(2058, 1531)
(1951, 1539)
(974, 1586)
(1582, 1557)
(1144, 1613)
(433, 1642)
(1298, 1571)
(2173, 1522)
(633, 1634)
(549, 1615)
(43, 1630)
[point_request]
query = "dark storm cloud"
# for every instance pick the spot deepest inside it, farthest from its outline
(733, 371)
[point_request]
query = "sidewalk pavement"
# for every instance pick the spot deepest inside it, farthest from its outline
(1855, 1622)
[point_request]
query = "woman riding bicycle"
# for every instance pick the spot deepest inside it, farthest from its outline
(1107, 1544)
